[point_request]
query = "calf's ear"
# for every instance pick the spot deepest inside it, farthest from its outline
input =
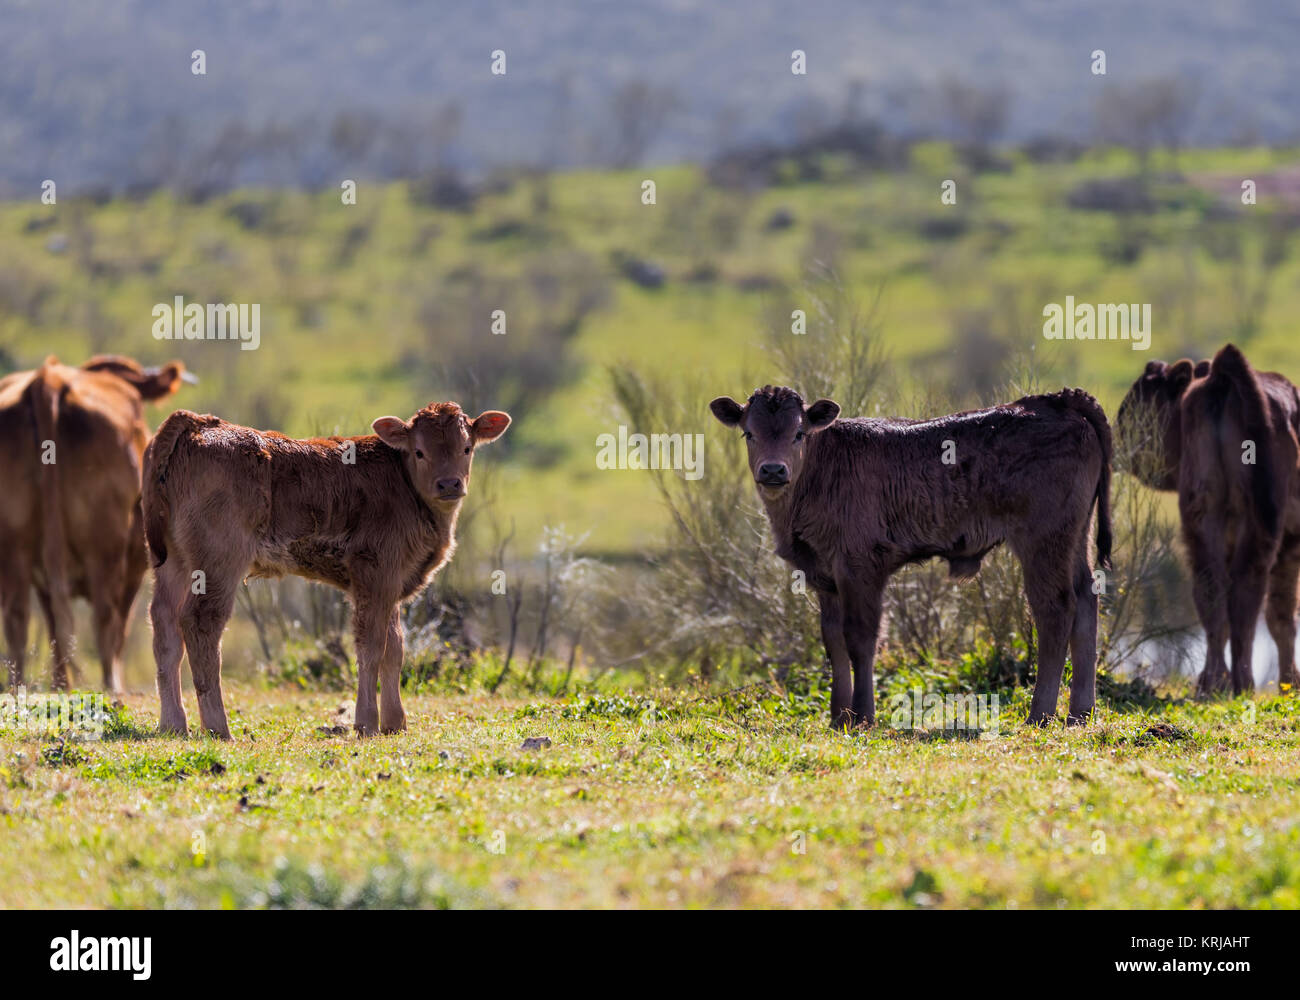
(1180, 375)
(490, 425)
(727, 410)
(822, 414)
(393, 431)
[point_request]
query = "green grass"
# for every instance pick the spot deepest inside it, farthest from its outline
(657, 799)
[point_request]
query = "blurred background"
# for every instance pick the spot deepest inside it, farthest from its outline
(773, 192)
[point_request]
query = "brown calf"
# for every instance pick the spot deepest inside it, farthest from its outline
(1227, 438)
(851, 501)
(71, 441)
(373, 515)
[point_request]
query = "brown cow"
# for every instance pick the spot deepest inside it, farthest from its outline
(373, 515)
(70, 521)
(851, 501)
(1227, 438)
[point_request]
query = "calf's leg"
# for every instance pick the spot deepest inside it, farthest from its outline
(1083, 645)
(169, 592)
(1249, 576)
(1205, 545)
(392, 718)
(860, 598)
(838, 652)
(203, 619)
(370, 626)
(1280, 609)
(1051, 594)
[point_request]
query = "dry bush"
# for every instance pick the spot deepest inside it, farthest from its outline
(718, 591)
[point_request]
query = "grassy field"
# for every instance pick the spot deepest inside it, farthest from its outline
(657, 799)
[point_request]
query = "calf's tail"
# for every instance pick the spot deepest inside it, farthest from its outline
(157, 458)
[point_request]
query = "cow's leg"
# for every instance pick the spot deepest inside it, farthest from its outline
(15, 598)
(110, 627)
(1280, 609)
(203, 619)
(841, 666)
(1083, 644)
(1050, 588)
(860, 599)
(369, 627)
(1205, 546)
(110, 633)
(1249, 572)
(136, 562)
(58, 596)
(392, 719)
(169, 592)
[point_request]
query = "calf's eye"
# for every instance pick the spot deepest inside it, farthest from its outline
(468, 448)
(746, 435)
(800, 436)
(419, 453)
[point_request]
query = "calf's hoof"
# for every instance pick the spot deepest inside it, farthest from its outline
(393, 726)
(1040, 719)
(1079, 718)
(842, 722)
(1212, 685)
(173, 724)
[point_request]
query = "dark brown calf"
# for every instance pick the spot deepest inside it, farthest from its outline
(1227, 438)
(373, 515)
(71, 441)
(851, 501)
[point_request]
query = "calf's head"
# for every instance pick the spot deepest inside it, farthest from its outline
(1148, 425)
(776, 425)
(437, 446)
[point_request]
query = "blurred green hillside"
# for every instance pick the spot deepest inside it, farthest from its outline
(381, 306)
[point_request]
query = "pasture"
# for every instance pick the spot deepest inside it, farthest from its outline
(657, 798)
(680, 772)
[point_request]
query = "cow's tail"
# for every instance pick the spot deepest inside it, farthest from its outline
(157, 458)
(45, 395)
(1231, 377)
(46, 398)
(1088, 407)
